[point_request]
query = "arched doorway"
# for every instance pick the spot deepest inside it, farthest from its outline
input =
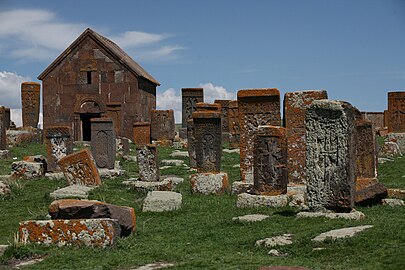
(86, 108)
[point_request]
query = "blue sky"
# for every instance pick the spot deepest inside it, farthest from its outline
(353, 49)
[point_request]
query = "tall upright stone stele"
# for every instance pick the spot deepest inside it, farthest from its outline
(191, 143)
(256, 107)
(396, 112)
(233, 122)
(102, 144)
(270, 161)
(189, 98)
(141, 133)
(208, 145)
(162, 125)
(30, 95)
(59, 144)
(147, 157)
(295, 106)
(3, 136)
(224, 118)
(331, 155)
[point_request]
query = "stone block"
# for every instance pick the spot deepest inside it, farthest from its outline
(79, 168)
(59, 144)
(3, 128)
(239, 187)
(172, 162)
(366, 150)
(233, 122)
(390, 150)
(37, 158)
(27, 170)
(224, 118)
(209, 183)
(30, 99)
(103, 145)
(341, 233)
(75, 232)
(251, 218)
(189, 99)
(71, 192)
(191, 143)
(369, 191)
(147, 157)
(393, 202)
(143, 186)
(161, 201)
(396, 109)
(162, 125)
(398, 138)
(23, 136)
(141, 133)
(246, 200)
(122, 147)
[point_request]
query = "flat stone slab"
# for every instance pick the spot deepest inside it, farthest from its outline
(165, 185)
(71, 192)
(161, 201)
(393, 202)
(239, 187)
(251, 218)
(55, 176)
(27, 170)
(173, 162)
(246, 200)
(209, 183)
(281, 240)
(353, 215)
(341, 233)
(154, 266)
(178, 153)
(101, 232)
(229, 151)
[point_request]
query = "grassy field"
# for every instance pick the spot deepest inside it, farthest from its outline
(202, 234)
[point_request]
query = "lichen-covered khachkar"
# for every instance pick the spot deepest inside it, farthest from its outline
(141, 133)
(59, 144)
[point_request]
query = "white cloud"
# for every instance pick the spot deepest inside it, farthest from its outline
(171, 98)
(10, 89)
(36, 34)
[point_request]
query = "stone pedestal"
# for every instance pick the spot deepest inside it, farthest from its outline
(256, 107)
(30, 95)
(59, 143)
(103, 142)
(162, 125)
(141, 133)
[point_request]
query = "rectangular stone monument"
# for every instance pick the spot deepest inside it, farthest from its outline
(3, 136)
(162, 125)
(270, 161)
(208, 145)
(366, 149)
(103, 142)
(233, 121)
(30, 95)
(396, 112)
(224, 118)
(203, 106)
(8, 117)
(331, 155)
(189, 97)
(79, 168)
(256, 107)
(191, 143)
(295, 106)
(147, 157)
(141, 133)
(59, 143)
(114, 111)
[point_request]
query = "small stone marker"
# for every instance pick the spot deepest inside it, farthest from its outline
(224, 118)
(341, 233)
(208, 146)
(101, 232)
(191, 143)
(162, 125)
(190, 97)
(79, 168)
(331, 155)
(71, 192)
(366, 150)
(122, 147)
(270, 161)
(256, 107)
(30, 94)
(295, 106)
(3, 128)
(209, 183)
(233, 122)
(147, 157)
(396, 112)
(141, 133)
(59, 143)
(103, 145)
(161, 201)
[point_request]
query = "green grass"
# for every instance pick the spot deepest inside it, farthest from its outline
(202, 234)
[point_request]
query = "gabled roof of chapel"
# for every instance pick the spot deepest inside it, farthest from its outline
(109, 46)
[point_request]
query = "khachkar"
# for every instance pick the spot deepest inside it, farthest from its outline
(30, 94)
(208, 149)
(396, 112)
(3, 125)
(368, 189)
(233, 122)
(103, 142)
(147, 158)
(270, 161)
(224, 118)
(59, 143)
(190, 97)
(8, 117)
(295, 106)
(162, 125)
(141, 133)
(256, 107)
(331, 155)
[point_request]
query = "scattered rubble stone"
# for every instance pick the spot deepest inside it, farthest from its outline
(396, 193)
(341, 233)
(55, 176)
(154, 266)
(160, 201)
(281, 240)
(393, 202)
(37, 158)
(231, 151)
(276, 253)
(389, 150)
(23, 136)
(3, 249)
(251, 218)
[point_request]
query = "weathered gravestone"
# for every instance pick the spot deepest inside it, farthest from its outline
(30, 94)
(3, 136)
(103, 142)
(331, 155)
(224, 118)
(190, 98)
(162, 125)
(256, 107)
(8, 117)
(141, 133)
(191, 143)
(79, 169)
(233, 122)
(270, 161)
(147, 157)
(208, 146)
(59, 143)
(396, 112)
(295, 106)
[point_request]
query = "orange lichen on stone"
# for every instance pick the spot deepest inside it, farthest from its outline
(264, 92)
(202, 106)
(141, 133)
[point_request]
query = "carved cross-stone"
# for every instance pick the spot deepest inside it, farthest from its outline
(103, 145)
(30, 96)
(59, 144)
(396, 112)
